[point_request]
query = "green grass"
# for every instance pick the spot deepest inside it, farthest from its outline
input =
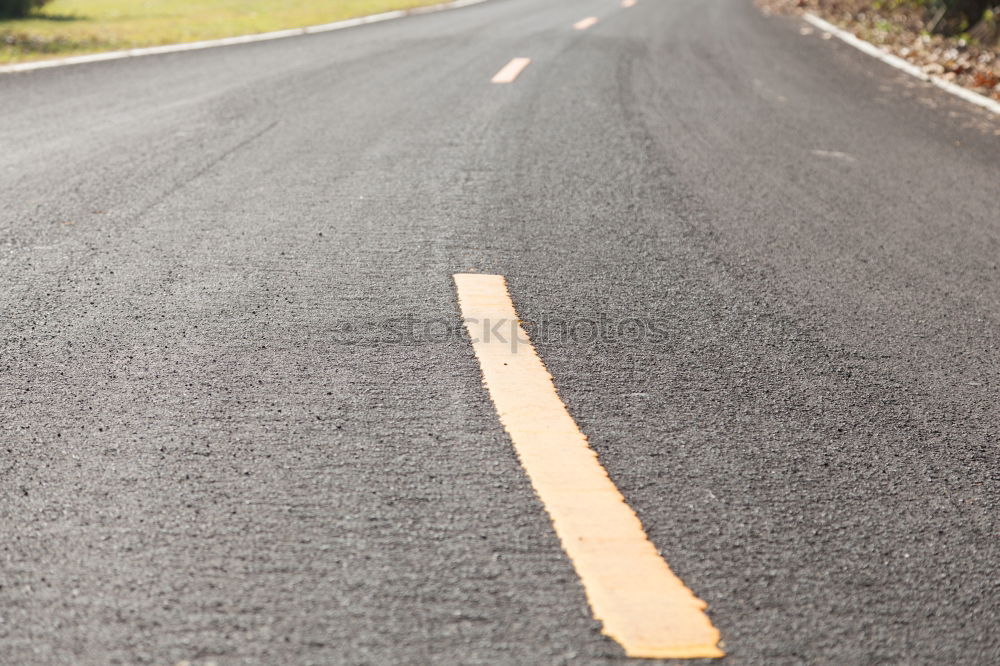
(70, 27)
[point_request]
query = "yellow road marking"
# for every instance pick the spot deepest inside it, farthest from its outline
(583, 24)
(628, 3)
(631, 590)
(510, 71)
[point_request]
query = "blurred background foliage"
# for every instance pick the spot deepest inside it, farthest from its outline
(955, 40)
(19, 8)
(976, 19)
(34, 29)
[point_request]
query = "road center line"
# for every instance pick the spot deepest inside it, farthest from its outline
(511, 70)
(631, 590)
(583, 24)
(628, 3)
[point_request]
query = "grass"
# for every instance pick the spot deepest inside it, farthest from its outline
(71, 27)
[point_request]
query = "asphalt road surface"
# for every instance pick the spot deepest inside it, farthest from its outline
(241, 423)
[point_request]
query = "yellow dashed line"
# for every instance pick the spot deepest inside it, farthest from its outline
(510, 71)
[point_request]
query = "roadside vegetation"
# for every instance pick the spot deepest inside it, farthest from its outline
(958, 40)
(36, 29)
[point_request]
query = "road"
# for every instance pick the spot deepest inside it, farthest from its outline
(242, 423)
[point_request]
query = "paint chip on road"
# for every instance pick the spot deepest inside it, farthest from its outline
(835, 154)
(631, 590)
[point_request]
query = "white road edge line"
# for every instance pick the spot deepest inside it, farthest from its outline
(230, 41)
(899, 63)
